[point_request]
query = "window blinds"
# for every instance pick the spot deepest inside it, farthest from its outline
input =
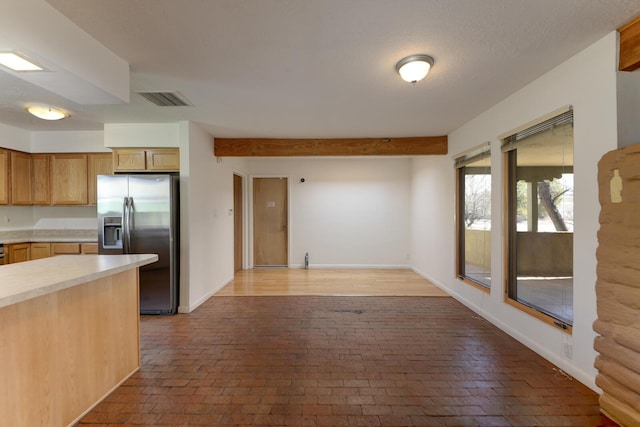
(511, 142)
(479, 152)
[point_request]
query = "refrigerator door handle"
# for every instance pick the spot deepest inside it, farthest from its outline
(130, 224)
(125, 225)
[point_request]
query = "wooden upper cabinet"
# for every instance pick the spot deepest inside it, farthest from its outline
(98, 164)
(41, 179)
(129, 160)
(4, 177)
(69, 179)
(163, 159)
(51, 179)
(146, 159)
(21, 178)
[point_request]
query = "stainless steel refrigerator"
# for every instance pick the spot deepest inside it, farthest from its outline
(140, 214)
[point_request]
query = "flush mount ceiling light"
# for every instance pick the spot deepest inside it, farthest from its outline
(414, 68)
(17, 62)
(47, 113)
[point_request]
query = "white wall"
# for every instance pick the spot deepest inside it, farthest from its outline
(432, 220)
(16, 218)
(65, 217)
(349, 212)
(206, 203)
(14, 138)
(588, 85)
(628, 108)
(68, 142)
(142, 135)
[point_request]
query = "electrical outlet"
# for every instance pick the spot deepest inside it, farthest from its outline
(567, 350)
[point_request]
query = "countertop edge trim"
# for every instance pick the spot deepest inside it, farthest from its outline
(75, 281)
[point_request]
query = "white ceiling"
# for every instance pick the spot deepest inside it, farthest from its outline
(296, 68)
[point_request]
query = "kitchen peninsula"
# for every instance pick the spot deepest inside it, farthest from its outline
(70, 334)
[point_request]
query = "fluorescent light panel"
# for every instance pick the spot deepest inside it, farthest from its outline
(17, 63)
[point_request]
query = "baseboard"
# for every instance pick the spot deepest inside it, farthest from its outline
(188, 309)
(572, 370)
(372, 266)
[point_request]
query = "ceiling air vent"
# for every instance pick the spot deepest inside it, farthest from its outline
(166, 99)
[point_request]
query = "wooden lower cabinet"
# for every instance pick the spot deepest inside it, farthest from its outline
(89, 248)
(40, 250)
(65, 248)
(19, 252)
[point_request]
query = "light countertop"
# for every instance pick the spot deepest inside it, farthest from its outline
(30, 279)
(49, 239)
(48, 235)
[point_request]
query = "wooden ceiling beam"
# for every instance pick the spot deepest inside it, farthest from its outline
(265, 147)
(630, 45)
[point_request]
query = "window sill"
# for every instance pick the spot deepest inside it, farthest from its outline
(476, 285)
(558, 324)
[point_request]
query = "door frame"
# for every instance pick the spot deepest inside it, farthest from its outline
(245, 218)
(250, 215)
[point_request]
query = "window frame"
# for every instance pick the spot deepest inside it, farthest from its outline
(509, 219)
(461, 161)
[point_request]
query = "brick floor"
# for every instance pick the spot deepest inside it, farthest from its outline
(340, 361)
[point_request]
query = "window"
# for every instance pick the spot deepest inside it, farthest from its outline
(474, 216)
(539, 219)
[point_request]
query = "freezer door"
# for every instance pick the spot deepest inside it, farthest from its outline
(112, 189)
(153, 207)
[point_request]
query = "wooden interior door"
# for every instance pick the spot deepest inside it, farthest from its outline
(270, 222)
(237, 223)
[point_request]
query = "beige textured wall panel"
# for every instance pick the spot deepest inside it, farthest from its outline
(622, 294)
(624, 213)
(624, 335)
(631, 190)
(614, 352)
(628, 339)
(618, 237)
(624, 396)
(611, 276)
(629, 296)
(624, 414)
(609, 310)
(618, 285)
(626, 378)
